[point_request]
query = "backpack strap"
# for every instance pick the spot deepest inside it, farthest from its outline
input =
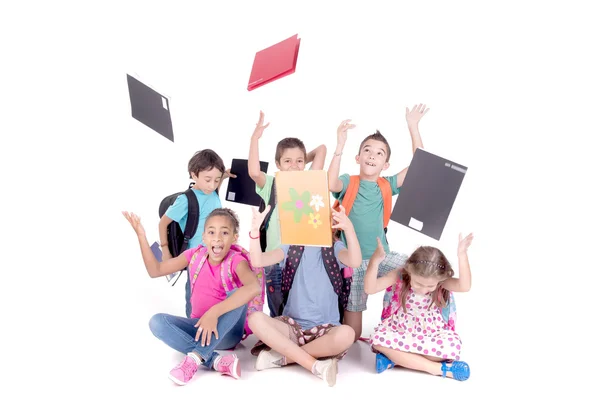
(294, 255)
(349, 195)
(341, 282)
(386, 193)
(203, 254)
(193, 217)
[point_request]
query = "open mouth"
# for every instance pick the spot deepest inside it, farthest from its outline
(217, 250)
(370, 164)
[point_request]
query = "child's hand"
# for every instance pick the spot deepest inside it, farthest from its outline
(207, 325)
(134, 220)
(342, 132)
(258, 218)
(463, 244)
(228, 174)
(340, 219)
(379, 253)
(414, 116)
(260, 127)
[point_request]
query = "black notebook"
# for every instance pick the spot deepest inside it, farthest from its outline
(242, 189)
(150, 107)
(428, 193)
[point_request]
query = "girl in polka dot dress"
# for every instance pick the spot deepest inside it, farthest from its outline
(417, 328)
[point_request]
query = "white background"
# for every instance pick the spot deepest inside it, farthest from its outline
(513, 89)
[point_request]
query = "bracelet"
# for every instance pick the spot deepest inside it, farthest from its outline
(164, 244)
(251, 237)
(337, 154)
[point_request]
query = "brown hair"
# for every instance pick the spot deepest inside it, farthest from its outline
(428, 262)
(379, 137)
(205, 160)
(289, 143)
(225, 212)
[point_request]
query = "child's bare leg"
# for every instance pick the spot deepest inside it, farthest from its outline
(275, 334)
(354, 320)
(418, 362)
(334, 342)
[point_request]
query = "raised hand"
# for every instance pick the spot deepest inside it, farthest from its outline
(258, 218)
(135, 222)
(340, 219)
(260, 127)
(379, 253)
(414, 116)
(342, 131)
(464, 243)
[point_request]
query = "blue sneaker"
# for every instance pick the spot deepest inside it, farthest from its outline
(382, 363)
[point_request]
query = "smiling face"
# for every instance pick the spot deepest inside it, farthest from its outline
(219, 234)
(372, 158)
(292, 159)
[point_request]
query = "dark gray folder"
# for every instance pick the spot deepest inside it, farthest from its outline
(150, 107)
(242, 189)
(428, 193)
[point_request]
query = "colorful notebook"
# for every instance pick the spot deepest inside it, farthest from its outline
(304, 207)
(428, 193)
(242, 189)
(150, 107)
(274, 62)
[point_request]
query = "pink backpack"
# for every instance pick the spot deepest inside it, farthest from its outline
(257, 303)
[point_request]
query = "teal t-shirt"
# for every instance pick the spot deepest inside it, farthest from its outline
(178, 211)
(367, 213)
(273, 230)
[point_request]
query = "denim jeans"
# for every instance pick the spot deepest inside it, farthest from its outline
(273, 288)
(179, 333)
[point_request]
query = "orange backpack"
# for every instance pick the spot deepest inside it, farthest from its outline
(352, 190)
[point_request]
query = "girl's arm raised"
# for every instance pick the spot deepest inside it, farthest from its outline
(463, 282)
(372, 283)
(258, 258)
(153, 266)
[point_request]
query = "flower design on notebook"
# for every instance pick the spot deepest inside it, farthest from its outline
(299, 204)
(317, 202)
(315, 220)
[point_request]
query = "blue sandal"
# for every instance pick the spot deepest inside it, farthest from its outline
(460, 370)
(382, 363)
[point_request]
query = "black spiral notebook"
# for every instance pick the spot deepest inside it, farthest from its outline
(428, 193)
(150, 107)
(242, 189)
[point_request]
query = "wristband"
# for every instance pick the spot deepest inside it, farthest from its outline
(252, 237)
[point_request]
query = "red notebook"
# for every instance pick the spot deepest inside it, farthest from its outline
(274, 62)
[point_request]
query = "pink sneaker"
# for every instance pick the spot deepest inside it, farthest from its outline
(184, 372)
(228, 365)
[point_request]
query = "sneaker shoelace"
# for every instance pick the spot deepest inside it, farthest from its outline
(189, 367)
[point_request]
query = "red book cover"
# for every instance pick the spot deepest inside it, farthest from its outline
(274, 62)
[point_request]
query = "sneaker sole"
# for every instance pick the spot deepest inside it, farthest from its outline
(259, 359)
(177, 381)
(331, 376)
(236, 370)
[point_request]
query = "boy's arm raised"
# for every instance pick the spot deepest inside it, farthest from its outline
(153, 266)
(412, 118)
(333, 173)
(351, 256)
(253, 159)
(317, 157)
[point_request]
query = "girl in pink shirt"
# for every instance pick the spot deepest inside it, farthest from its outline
(217, 320)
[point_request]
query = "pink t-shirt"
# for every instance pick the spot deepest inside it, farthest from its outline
(208, 289)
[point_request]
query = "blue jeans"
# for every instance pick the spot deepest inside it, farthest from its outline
(179, 333)
(273, 288)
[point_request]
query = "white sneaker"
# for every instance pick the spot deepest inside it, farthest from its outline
(269, 359)
(326, 370)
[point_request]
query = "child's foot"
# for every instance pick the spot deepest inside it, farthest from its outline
(326, 370)
(458, 370)
(185, 371)
(269, 359)
(228, 365)
(382, 363)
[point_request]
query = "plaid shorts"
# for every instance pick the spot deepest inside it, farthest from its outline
(357, 301)
(299, 336)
